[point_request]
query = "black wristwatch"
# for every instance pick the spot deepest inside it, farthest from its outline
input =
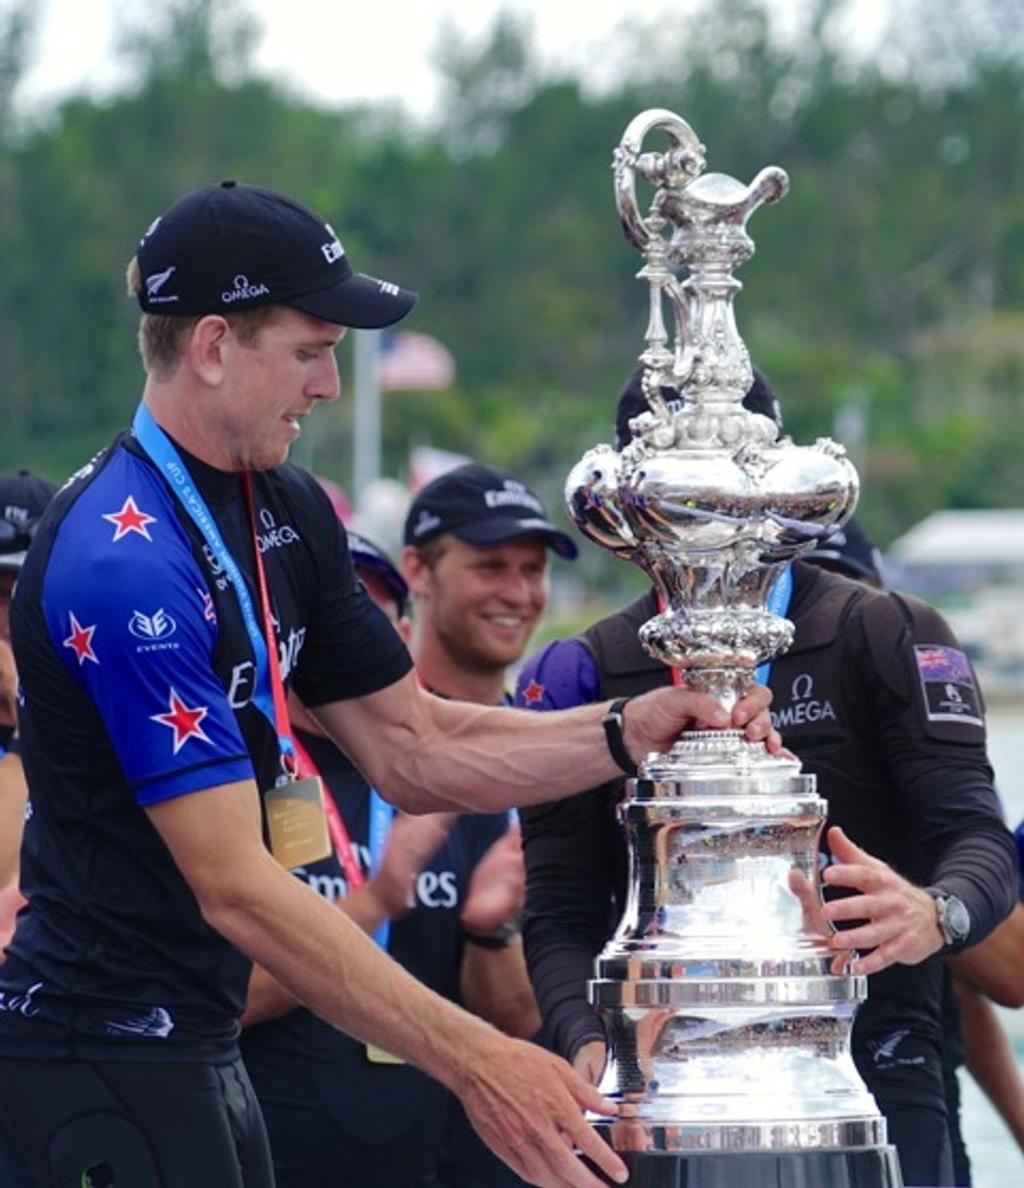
(501, 938)
(952, 916)
(614, 723)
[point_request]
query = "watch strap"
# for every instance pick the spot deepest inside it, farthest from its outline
(614, 723)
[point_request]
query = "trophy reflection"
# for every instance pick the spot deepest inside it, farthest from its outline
(728, 1014)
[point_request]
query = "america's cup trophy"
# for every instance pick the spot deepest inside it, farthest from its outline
(727, 1012)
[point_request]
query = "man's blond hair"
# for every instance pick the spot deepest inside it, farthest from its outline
(162, 337)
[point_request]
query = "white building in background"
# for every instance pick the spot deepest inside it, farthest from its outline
(971, 565)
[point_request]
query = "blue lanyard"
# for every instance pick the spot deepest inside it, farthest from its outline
(778, 604)
(381, 817)
(161, 450)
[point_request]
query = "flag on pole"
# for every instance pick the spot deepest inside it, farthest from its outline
(411, 362)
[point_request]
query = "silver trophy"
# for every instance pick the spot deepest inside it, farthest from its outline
(728, 1014)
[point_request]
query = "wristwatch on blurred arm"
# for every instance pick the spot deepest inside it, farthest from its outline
(952, 916)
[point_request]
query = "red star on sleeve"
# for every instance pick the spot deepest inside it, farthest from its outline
(80, 641)
(533, 693)
(183, 720)
(130, 519)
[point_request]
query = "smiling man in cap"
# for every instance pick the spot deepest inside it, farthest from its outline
(175, 587)
(475, 557)
(476, 561)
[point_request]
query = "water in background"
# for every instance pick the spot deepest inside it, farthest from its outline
(995, 1158)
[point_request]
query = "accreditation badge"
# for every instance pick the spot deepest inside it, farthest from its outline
(297, 822)
(377, 1055)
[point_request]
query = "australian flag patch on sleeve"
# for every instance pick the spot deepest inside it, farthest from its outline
(950, 694)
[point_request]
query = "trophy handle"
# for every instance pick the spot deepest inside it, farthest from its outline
(672, 169)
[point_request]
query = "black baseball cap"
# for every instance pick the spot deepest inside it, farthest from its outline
(367, 555)
(849, 551)
(231, 247)
(23, 499)
(482, 506)
(760, 398)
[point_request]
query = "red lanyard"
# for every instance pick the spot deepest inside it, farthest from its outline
(343, 846)
(283, 726)
(300, 762)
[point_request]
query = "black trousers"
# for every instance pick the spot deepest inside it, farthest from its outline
(113, 1124)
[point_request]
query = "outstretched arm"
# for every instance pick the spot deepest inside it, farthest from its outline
(384, 896)
(525, 1103)
(426, 754)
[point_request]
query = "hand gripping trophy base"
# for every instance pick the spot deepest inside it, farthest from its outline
(727, 1011)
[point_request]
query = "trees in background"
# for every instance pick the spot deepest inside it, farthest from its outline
(890, 280)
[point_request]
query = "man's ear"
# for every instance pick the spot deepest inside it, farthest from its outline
(415, 571)
(206, 346)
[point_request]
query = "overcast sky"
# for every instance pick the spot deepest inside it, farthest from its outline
(345, 50)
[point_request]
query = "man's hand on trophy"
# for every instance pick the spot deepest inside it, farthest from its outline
(589, 1060)
(808, 893)
(896, 920)
(654, 721)
(526, 1105)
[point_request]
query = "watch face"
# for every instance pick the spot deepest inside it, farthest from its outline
(958, 918)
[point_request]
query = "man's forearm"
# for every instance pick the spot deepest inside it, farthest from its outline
(12, 815)
(454, 755)
(495, 986)
(979, 865)
(424, 753)
(324, 961)
(268, 999)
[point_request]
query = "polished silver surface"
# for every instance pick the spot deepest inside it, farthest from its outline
(707, 498)
(727, 1010)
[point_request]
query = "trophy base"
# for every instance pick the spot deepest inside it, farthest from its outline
(877, 1167)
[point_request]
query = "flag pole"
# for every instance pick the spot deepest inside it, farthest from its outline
(366, 412)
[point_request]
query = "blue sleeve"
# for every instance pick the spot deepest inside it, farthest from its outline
(128, 614)
(560, 676)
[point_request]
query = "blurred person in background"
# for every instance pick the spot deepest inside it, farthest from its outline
(987, 973)
(878, 701)
(476, 550)
(175, 588)
(974, 1036)
(23, 499)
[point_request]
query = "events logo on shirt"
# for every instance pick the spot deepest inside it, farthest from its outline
(154, 630)
(158, 625)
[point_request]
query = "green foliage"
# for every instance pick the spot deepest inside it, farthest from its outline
(891, 277)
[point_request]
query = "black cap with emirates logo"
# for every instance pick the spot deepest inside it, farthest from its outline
(482, 506)
(231, 247)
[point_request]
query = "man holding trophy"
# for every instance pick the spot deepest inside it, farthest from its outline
(720, 1014)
